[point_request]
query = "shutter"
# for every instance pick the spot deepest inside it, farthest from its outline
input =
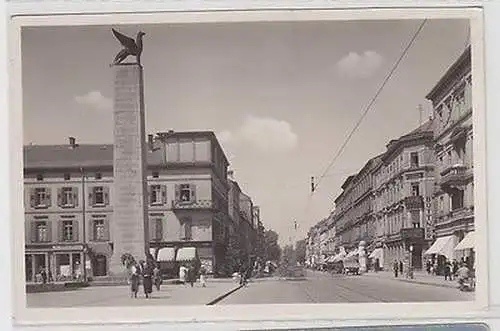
(159, 229)
(48, 197)
(177, 192)
(107, 226)
(59, 197)
(151, 230)
(32, 198)
(106, 196)
(164, 194)
(193, 192)
(33, 233)
(91, 198)
(61, 230)
(150, 195)
(49, 231)
(76, 232)
(75, 196)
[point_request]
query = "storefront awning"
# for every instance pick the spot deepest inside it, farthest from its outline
(166, 254)
(377, 254)
(442, 246)
(467, 242)
(186, 254)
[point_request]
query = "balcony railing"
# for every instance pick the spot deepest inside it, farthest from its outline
(456, 174)
(197, 204)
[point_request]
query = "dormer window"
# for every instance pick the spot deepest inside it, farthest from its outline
(39, 177)
(98, 175)
(67, 176)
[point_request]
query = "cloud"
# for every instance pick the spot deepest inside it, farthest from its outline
(360, 65)
(95, 99)
(264, 134)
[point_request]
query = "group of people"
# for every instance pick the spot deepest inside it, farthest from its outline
(451, 269)
(149, 273)
(397, 268)
(188, 275)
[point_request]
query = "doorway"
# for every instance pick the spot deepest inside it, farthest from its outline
(100, 266)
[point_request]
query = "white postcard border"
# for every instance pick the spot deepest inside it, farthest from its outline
(178, 314)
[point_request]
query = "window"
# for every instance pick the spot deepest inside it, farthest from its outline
(99, 230)
(40, 197)
(457, 199)
(67, 176)
(98, 175)
(67, 197)
(157, 229)
(39, 177)
(414, 162)
(415, 189)
(157, 194)
(186, 229)
(42, 232)
(99, 196)
(67, 231)
(156, 174)
(185, 193)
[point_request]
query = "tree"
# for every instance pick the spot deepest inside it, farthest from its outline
(234, 253)
(300, 248)
(271, 246)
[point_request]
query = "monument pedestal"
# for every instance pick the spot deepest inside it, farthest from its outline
(129, 196)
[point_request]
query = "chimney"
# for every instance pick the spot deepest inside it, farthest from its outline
(150, 142)
(72, 142)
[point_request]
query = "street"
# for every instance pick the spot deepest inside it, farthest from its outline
(325, 288)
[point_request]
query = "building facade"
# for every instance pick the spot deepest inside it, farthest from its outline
(403, 184)
(353, 209)
(69, 203)
(453, 133)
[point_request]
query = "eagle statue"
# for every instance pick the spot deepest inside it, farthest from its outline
(130, 47)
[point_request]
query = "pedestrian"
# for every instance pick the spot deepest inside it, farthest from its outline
(447, 270)
(454, 270)
(203, 280)
(395, 267)
(401, 267)
(147, 278)
(242, 273)
(428, 267)
(182, 274)
(191, 275)
(43, 273)
(134, 281)
(157, 278)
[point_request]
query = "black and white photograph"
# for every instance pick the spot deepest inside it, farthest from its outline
(259, 162)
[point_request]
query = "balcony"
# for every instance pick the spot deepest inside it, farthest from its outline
(415, 202)
(455, 175)
(197, 204)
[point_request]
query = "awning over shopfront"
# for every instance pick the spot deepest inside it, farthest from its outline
(466, 243)
(166, 254)
(442, 246)
(186, 254)
(376, 254)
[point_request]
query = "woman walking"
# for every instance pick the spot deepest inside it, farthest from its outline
(157, 278)
(147, 279)
(134, 281)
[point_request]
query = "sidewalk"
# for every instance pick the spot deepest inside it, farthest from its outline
(419, 277)
(120, 296)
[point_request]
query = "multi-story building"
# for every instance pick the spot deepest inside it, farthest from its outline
(69, 203)
(353, 208)
(247, 228)
(402, 189)
(453, 133)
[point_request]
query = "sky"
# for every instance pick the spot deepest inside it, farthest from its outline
(281, 97)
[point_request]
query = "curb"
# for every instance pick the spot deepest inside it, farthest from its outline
(417, 282)
(222, 297)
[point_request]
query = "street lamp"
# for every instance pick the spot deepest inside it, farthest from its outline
(410, 264)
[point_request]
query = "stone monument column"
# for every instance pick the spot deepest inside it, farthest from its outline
(130, 230)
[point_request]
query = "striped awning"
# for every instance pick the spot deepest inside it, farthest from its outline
(166, 254)
(186, 254)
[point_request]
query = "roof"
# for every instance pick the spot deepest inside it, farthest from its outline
(424, 130)
(95, 155)
(463, 61)
(64, 156)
